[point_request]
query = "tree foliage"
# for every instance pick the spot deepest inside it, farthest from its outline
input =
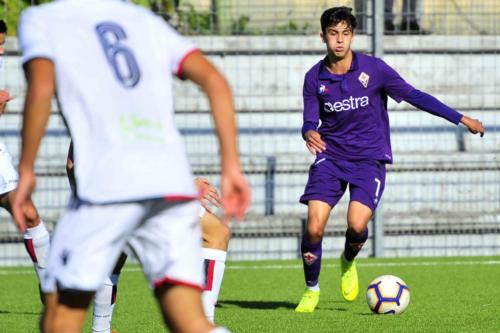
(11, 9)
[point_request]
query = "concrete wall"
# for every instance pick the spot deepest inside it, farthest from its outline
(266, 75)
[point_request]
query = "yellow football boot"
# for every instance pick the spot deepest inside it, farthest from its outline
(349, 284)
(308, 302)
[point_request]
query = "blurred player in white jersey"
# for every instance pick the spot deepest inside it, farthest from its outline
(111, 64)
(36, 236)
(215, 234)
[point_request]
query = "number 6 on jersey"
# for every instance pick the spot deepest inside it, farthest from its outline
(120, 57)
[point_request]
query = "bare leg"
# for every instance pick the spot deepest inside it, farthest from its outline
(36, 237)
(358, 216)
(311, 250)
(317, 217)
(216, 237)
(49, 312)
(182, 309)
(356, 235)
(311, 246)
(65, 312)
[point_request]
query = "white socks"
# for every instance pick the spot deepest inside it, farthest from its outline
(214, 272)
(220, 330)
(37, 242)
(314, 288)
(104, 304)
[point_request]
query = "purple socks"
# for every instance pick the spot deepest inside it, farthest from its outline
(353, 244)
(311, 258)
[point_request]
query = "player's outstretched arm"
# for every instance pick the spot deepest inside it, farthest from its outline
(475, 126)
(235, 190)
(432, 105)
(41, 86)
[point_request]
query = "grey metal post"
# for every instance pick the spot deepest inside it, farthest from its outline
(378, 28)
(460, 138)
(269, 185)
(221, 16)
(215, 15)
(378, 51)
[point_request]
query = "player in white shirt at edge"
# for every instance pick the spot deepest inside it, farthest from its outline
(111, 64)
(36, 237)
(215, 234)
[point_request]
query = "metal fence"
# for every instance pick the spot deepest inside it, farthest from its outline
(443, 192)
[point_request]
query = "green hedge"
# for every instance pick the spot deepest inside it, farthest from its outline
(11, 9)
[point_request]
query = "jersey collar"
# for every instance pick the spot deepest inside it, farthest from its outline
(325, 74)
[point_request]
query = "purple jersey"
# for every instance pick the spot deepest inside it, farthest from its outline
(352, 108)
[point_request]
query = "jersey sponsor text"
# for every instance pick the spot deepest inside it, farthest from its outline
(348, 104)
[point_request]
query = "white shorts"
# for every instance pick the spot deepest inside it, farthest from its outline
(87, 241)
(8, 174)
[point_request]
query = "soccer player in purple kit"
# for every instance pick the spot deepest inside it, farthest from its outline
(346, 126)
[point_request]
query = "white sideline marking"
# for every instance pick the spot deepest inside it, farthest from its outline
(375, 264)
(293, 266)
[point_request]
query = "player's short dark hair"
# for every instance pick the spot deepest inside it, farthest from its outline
(335, 15)
(3, 27)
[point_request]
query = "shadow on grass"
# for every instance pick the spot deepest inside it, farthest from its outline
(257, 304)
(2, 312)
(340, 309)
(265, 305)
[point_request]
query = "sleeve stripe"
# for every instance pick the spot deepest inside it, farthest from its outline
(181, 63)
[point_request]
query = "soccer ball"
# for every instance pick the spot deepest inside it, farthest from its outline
(388, 294)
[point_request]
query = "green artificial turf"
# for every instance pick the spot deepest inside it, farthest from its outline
(447, 295)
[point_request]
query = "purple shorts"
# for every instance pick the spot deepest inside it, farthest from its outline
(328, 180)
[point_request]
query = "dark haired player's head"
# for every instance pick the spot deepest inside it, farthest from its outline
(336, 15)
(3, 32)
(3, 27)
(337, 31)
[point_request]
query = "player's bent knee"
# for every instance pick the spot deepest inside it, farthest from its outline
(224, 236)
(315, 231)
(216, 235)
(71, 308)
(182, 308)
(357, 229)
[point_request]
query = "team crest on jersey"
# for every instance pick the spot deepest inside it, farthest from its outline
(309, 258)
(323, 89)
(364, 78)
